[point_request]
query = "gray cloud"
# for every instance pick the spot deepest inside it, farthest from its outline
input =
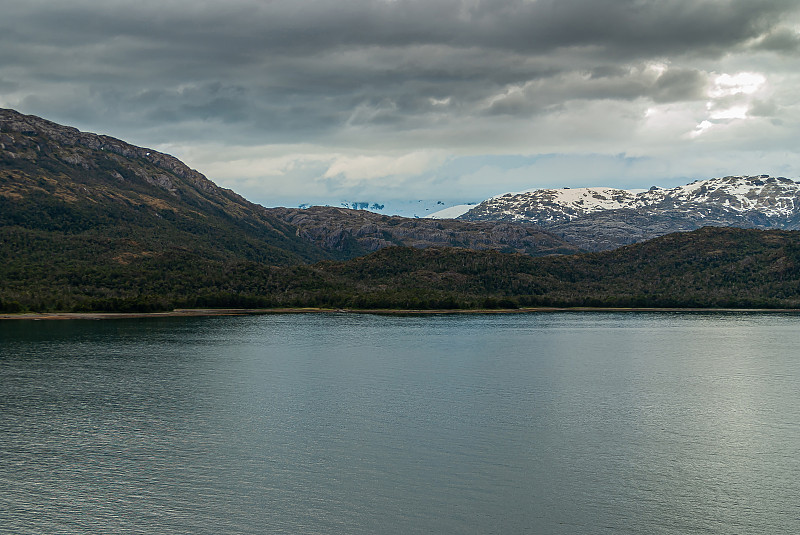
(784, 40)
(241, 32)
(680, 85)
(761, 108)
(7, 85)
(389, 75)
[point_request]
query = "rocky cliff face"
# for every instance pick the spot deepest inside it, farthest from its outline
(33, 139)
(355, 232)
(604, 218)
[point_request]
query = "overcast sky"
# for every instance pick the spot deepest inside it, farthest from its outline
(291, 101)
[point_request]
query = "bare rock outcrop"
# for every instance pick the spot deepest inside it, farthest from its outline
(359, 231)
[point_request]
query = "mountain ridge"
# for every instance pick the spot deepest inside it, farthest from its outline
(359, 232)
(599, 218)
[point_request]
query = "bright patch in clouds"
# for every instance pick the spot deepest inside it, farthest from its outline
(745, 83)
(658, 68)
(730, 99)
(735, 112)
(359, 168)
(701, 128)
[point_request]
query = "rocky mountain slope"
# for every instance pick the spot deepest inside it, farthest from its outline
(357, 232)
(605, 218)
(55, 178)
(131, 203)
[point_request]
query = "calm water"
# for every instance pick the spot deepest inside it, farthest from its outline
(543, 423)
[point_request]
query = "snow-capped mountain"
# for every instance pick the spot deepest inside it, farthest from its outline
(602, 218)
(773, 197)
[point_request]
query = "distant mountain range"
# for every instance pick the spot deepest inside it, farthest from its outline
(605, 218)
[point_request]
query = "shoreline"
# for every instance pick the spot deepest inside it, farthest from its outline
(210, 312)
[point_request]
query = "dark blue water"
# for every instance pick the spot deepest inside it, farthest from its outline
(543, 423)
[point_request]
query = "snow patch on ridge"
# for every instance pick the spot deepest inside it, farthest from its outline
(452, 212)
(774, 197)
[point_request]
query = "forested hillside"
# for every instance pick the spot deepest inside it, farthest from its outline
(710, 267)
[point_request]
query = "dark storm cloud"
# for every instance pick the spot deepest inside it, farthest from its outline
(605, 83)
(290, 71)
(527, 26)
